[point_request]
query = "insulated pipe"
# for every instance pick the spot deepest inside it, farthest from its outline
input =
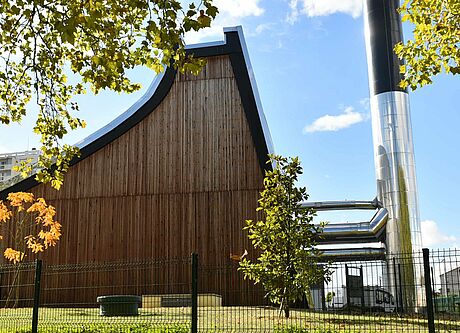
(391, 127)
(347, 254)
(341, 205)
(392, 136)
(355, 232)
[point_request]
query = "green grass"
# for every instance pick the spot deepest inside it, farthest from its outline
(223, 319)
(106, 328)
(84, 320)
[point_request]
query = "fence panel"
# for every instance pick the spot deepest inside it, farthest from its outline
(16, 297)
(445, 277)
(362, 296)
(70, 294)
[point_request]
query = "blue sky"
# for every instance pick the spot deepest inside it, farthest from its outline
(310, 65)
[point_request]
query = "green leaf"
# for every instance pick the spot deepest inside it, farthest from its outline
(435, 46)
(99, 41)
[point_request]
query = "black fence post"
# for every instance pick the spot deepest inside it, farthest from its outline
(433, 288)
(194, 293)
(396, 285)
(38, 274)
(363, 306)
(347, 284)
(400, 295)
(428, 291)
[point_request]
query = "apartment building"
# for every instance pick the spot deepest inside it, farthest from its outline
(9, 160)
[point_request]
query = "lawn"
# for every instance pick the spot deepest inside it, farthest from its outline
(223, 319)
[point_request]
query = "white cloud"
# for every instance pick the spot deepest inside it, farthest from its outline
(294, 13)
(263, 27)
(231, 13)
(239, 8)
(313, 8)
(330, 123)
(431, 235)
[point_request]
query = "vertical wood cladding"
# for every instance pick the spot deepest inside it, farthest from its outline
(183, 179)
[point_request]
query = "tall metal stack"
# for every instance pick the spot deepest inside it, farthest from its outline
(393, 144)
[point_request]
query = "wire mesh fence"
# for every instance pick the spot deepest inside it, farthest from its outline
(361, 296)
(16, 296)
(99, 297)
(445, 279)
(160, 296)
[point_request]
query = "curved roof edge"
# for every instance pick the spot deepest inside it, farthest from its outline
(234, 46)
(255, 90)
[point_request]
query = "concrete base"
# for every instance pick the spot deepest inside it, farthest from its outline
(179, 300)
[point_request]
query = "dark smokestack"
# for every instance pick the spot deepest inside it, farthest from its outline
(385, 32)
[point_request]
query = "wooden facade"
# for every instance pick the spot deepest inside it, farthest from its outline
(179, 175)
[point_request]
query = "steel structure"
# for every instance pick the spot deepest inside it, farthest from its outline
(393, 143)
(391, 127)
(397, 221)
(354, 232)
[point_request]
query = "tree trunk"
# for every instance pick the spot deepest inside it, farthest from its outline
(286, 310)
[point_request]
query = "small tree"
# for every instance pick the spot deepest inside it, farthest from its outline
(288, 262)
(29, 225)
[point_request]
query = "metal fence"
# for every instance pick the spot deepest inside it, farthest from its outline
(185, 296)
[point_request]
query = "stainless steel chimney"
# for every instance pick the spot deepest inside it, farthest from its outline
(393, 144)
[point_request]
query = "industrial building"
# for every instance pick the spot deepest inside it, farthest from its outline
(179, 172)
(450, 282)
